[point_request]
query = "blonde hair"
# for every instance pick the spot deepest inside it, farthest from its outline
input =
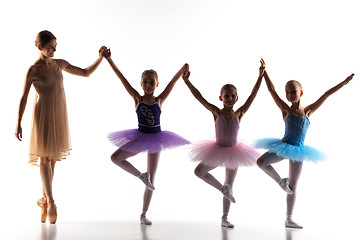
(150, 71)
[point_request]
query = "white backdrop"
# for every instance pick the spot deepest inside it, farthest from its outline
(314, 42)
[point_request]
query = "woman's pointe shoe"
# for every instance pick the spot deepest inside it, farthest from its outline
(52, 212)
(43, 204)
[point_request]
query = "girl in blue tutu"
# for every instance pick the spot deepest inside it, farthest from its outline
(291, 146)
(148, 137)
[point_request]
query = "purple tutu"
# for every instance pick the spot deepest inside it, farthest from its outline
(132, 140)
(212, 154)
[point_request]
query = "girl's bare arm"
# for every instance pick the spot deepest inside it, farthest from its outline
(196, 93)
(279, 102)
(170, 86)
(243, 109)
(313, 107)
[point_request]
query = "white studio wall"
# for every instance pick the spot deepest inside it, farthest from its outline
(314, 42)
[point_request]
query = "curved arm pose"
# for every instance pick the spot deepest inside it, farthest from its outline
(226, 151)
(291, 146)
(148, 137)
(50, 141)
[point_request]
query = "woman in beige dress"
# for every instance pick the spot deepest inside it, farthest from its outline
(50, 140)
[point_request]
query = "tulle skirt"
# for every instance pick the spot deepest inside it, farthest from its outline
(132, 140)
(50, 132)
(210, 153)
(293, 152)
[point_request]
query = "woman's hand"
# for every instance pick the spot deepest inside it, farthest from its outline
(18, 133)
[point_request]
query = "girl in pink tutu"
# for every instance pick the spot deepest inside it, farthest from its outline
(226, 151)
(148, 137)
(291, 146)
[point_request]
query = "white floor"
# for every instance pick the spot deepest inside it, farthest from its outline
(165, 231)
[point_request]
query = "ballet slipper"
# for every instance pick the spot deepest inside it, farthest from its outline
(145, 177)
(227, 192)
(284, 184)
(52, 211)
(225, 223)
(289, 223)
(43, 204)
(144, 220)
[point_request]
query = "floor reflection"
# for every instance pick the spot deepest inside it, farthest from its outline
(290, 232)
(144, 232)
(224, 233)
(48, 231)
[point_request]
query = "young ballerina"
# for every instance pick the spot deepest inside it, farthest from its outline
(226, 151)
(291, 146)
(148, 137)
(50, 140)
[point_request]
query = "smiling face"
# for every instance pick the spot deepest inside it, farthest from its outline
(293, 91)
(229, 96)
(49, 49)
(149, 83)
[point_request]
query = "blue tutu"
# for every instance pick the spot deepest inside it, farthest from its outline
(291, 146)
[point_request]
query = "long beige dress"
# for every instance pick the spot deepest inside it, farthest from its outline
(50, 132)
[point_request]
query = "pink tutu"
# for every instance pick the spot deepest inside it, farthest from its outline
(212, 154)
(132, 140)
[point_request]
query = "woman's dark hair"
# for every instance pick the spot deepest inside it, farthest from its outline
(43, 38)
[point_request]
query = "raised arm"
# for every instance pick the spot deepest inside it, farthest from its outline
(170, 86)
(30, 76)
(133, 93)
(313, 107)
(84, 72)
(212, 108)
(279, 102)
(242, 110)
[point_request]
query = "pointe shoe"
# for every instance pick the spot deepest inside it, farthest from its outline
(289, 223)
(284, 184)
(52, 212)
(227, 192)
(43, 204)
(144, 220)
(145, 177)
(225, 223)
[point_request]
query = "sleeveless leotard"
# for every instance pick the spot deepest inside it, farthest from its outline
(226, 151)
(291, 146)
(148, 137)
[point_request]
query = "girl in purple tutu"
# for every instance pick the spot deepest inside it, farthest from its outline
(148, 137)
(291, 146)
(226, 151)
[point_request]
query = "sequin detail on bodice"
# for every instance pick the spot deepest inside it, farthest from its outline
(226, 132)
(295, 129)
(148, 117)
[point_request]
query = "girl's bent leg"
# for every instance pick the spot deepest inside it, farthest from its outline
(152, 164)
(119, 158)
(265, 161)
(202, 171)
(294, 175)
(229, 180)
